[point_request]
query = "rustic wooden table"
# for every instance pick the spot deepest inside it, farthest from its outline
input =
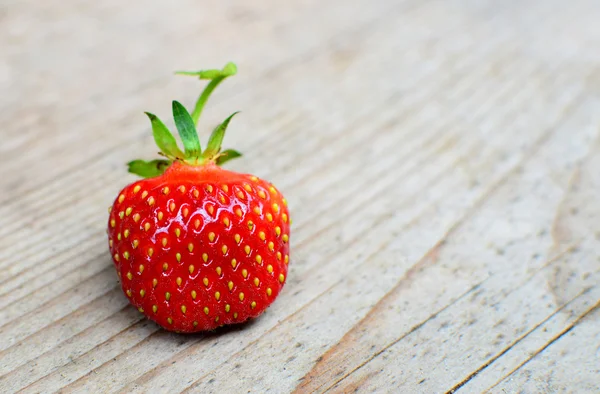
(440, 159)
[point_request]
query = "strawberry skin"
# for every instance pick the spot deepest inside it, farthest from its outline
(196, 246)
(200, 247)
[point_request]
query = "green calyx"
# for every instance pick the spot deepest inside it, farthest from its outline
(186, 124)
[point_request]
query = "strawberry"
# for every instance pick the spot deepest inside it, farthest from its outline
(194, 245)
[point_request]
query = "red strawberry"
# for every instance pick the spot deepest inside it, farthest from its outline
(197, 246)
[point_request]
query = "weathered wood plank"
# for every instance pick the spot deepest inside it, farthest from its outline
(439, 158)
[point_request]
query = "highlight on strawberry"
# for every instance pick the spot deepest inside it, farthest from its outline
(196, 246)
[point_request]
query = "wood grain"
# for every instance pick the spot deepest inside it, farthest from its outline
(440, 159)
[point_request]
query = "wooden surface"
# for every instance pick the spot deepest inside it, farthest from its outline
(440, 159)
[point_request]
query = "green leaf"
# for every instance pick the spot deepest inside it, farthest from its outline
(227, 71)
(216, 138)
(163, 138)
(148, 169)
(187, 130)
(226, 155)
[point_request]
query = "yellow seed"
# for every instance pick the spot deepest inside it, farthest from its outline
(150, 200)
(224, 249)
(121, 215)
(121, 198)
(269, 268)
(272, 190)
(279, 256)
(160, 215)
(284, 201)
(169, 320)
(278, 231)
(150, 252)
(262, 194)
(241, 296)
(118, 236)
(128, 211)
(190, 247)
(141, 309)
(197, 223)
(259, 259)
(205, 281)
(269, 217)
(256, 210)
(230, 285)
(178, 257)
(165, 190)
(238, 212)
(167, 296)
(191, 268)
(253, 304)
(222, 199)
(250, 224)
(177, 232)
(144, 194)
(216, 319)
(195, 323)
(247, 187)
(136, 188)
(256, 282)
(116, 256)
(154, 282)
(225, 188)
(126, 233)
(275, 207)
(254, 179)
(194, 294)
(281, 278)
(210, 209)
(147, 226)
(135, 243)
(165, 266)
(142, 292)
(185, 212)
(129, 276)
(183, 309)
(284, 217)
(178, 281)
(113, 223)
(226, 222)
(235, 315)
(136, 217)
(269, 291)
(172, 207)
(271, 246)
(217, 295)
(141, 268)
(154, 308)
(110, 243)
(181, 188)
(262, 235)
(164, 241)
(126, 255)
(233, 263)
(196, 193)
(128, 293)
(211, 236)
(205, 257)
(206, 310)
(218, 270)
(227, 307)
(285, 238)
(237, 238)
(247, 250)
(240, 195)
(245, 273)
(209, 188)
